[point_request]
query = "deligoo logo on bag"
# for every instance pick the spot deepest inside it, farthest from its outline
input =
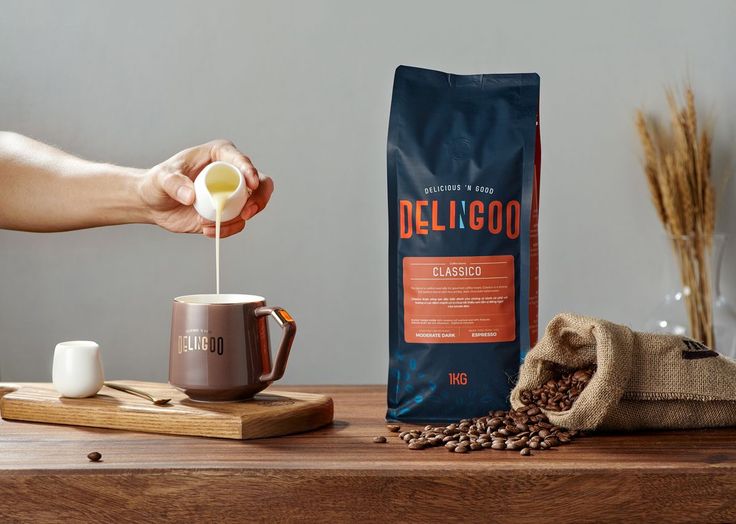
(421, 217)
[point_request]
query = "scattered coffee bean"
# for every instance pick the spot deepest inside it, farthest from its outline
(525, 452)
(393, 428)
(379, 440)
(94, 456)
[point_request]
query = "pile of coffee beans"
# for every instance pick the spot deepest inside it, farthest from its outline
(559, 393)
(521, 430)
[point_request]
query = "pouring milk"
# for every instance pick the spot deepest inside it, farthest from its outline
(220, 196)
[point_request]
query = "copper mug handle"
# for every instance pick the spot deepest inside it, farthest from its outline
(288, 327)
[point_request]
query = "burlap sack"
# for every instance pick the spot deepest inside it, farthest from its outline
(642, 381)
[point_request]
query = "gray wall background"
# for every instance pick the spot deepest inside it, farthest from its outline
(304, 88)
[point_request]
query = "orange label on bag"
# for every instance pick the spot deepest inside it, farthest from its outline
(459, 299)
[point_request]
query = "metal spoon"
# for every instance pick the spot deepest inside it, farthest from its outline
(139, 393)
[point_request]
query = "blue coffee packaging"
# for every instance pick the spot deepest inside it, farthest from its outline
(463, 198)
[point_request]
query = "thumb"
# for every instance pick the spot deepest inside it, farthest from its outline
(179, 187)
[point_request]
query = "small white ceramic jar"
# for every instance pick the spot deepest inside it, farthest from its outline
(77, 370)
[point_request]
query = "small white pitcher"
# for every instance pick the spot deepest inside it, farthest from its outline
(205, 204)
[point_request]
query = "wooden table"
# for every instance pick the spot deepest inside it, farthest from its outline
(338, 474)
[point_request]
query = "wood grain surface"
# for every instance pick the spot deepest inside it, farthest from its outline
(266, 415)
(337, 474)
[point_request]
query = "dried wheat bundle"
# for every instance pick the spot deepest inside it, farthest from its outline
(677, 169)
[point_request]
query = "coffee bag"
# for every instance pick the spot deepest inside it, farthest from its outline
(463, 187)
(642, 380)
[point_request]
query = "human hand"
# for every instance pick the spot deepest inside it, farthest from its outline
(167, 190)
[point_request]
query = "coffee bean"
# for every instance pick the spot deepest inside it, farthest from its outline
(95, 456)
(379, 440)
(525, 452)
(393, 428)
(522, 430)
(560, 392)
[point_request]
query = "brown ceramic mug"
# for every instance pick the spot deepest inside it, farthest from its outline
(220, 347)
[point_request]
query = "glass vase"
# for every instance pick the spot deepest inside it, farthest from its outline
(671, 315)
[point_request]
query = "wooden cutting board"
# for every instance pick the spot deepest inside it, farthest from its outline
(266, 415)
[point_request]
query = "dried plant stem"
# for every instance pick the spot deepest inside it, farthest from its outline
(694, 273)
(677, 170)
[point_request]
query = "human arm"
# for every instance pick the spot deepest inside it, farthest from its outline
(45, 189)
